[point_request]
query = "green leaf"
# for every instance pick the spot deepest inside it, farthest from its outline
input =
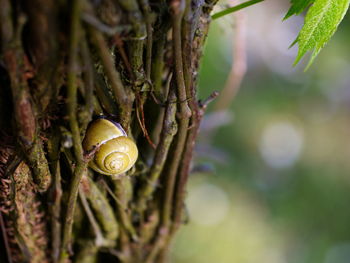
(321, 22)
(297, 7)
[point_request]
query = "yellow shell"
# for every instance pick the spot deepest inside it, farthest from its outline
(116, 154)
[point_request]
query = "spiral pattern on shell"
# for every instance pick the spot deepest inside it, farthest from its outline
(116, 154)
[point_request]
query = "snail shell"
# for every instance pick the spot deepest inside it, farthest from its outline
(116, 154)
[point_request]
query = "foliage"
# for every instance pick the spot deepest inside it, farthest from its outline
(321, 22)
(298, 6)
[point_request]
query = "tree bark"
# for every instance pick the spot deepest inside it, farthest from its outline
(62, 64)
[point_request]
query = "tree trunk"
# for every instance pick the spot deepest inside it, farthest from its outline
(64, 63)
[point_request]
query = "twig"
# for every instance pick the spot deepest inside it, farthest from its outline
(191, 43)
(136, 43)
(235, 8)
(97, 107)
(99, 241)
(106, 59)
(185, 112)
(169, 129)
(124, 218)
(140, 100)
(88, 84)
(104, 96)
(123, 97)
(189, 27)
(81, 165)
(55, 193)
(79, 171)
(103, 210)
(141, 119)
(111, 31)
(177, 10)
(120, 46)
(185, 165)
(158, 245)
(116, 199)
(147, 14)
(123, 191)
(239, 65)
(204, 104)
(56, 212)
(158, 65)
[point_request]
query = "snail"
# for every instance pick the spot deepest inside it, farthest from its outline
(116, 153)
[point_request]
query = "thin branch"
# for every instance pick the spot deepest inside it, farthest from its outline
(103, 211)
(158, 64)
(118, 41)
(239, 65)
(122, 208)
(158, 245)
(111, 31)
(99, 241)
(185, 165)
(81, 165)
(108, 63)
(185, 112)
(123, 191)
(166, 137)
(141, 119)
(55, 194)
(135, 42)
(177, 11)
(116, 199)
(193, 44)
(235, 8)
(122, 96)
(56, 212)
(104, 96)
(147, 14)
(88, 84)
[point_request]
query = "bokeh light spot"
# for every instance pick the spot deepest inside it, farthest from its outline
(281, 144)
(208, 204)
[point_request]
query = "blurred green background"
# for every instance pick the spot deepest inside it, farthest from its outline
(279, 191)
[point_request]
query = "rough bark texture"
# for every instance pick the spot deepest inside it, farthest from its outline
(62, 64)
